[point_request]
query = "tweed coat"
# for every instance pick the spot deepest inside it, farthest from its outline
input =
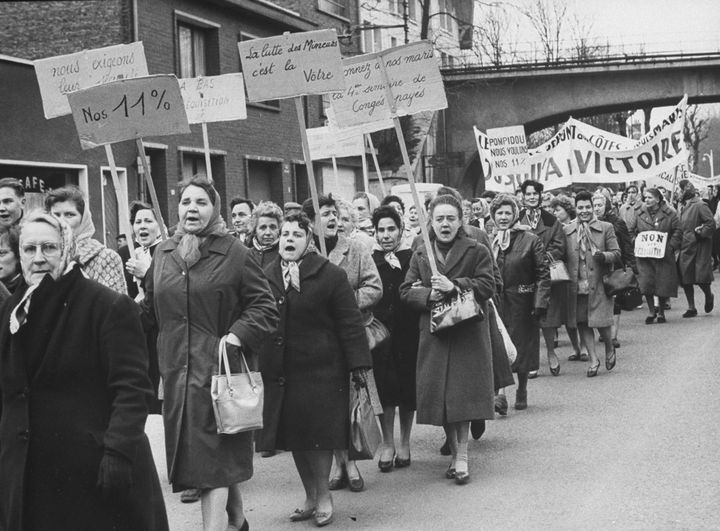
(658, 276)
(225, 291)
(454, 368)
(603, 238)
(305, 365)
(87, 397)
(695, 260)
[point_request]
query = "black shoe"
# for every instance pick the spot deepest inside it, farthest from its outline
(555, 371)
(666, 306)
(532, 375)
(709, 303)
(445, 448)
(650, 319)
(501, 405)
(402, 463)
(661, 318)
(461, 478)
(386, 466)
(521, 400)
(616, 343)
(190, 495)
(610, 360)
(356, 484)
(690, 313)
(339, 483)
(592, 371)
(477, 428)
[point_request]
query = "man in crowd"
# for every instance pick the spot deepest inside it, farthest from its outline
(12, 202)
(628, 209)
(240, 211)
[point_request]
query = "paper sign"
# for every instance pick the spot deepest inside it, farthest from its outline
(65, 73)
(362, 129)
(650, 244)
(127, 109)
(292, 65)
(327, 142)
(214, 98)
(508, 149)
(415, 82)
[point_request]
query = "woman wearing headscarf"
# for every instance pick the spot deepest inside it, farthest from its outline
(147, 235)
(454, 367)
(10, 272)
(320, 339)
(697, 227)
(520, 255)
(73, 397)
(658, 276)
(365, 203)
(202, 286)
(592, 249)
(265, 229)
(99, 263)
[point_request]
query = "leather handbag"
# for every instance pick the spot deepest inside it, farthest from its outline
(377, 333)
(365, 435)
(629, 299)
(619, 280)
(558, 270)
(454, 310)
(237, 398)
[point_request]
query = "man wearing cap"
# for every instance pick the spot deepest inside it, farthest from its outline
(292, 207)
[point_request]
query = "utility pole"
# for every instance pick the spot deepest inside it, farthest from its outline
(405, 20)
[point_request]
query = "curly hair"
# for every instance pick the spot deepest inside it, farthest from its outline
(266, 209)
(564, 202)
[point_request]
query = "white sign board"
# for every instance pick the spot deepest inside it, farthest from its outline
(508, 149)
(65, 73)
(214, 98)
(292, 65)
(128, 109)
(327, 142)
(651, 244)
(415, 83)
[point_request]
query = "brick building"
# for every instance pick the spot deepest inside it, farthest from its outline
(260, 157)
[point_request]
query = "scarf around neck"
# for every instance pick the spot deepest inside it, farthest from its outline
(189, 242)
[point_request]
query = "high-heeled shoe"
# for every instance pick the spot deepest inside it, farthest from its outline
(338, 483)
(299, 515)
(402, 463)
(520, 400)
(610, 360)
(445, 448)
(386, 466)
(326, 517)
(450, 472)
(650, 318)
(356, 484)
(555, 371)
(661, 318)
(593, 370)
(501, 405)
(461, 478)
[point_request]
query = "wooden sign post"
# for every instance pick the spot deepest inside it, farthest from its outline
(377, 166)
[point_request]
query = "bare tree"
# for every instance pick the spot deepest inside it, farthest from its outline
(696, 129)
(495, 39)
(584, 44)
(547, 18)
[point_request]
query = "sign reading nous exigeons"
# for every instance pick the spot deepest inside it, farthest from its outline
(127, 109)
(415, 83)
(65, 73)
(290, 65)
(214, 98)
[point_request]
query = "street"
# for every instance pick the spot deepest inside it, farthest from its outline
(632, 449)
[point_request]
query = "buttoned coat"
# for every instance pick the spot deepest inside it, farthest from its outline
(454, 367)
(658, 276)
(305, 365)
(88, 395)
(695, 260)
(225, 291)
(600, 306)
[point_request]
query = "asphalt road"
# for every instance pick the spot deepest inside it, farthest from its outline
(636, 448)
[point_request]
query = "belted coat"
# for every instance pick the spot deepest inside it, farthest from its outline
(658, 276)
(695, 260)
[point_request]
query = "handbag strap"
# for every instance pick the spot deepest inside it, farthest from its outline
(223, 362)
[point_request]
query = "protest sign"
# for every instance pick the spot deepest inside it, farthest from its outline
(128, 109)
(415, 83)
(650, 244)
(57, 76)
(508, 149)
(327, 142)
(290, 65)
(214, 98)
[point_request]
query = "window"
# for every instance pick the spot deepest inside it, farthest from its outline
(192, 48)
(413, 10)
(445, 10)
(393, 42)
(334, 7)
(268, 104)
(377, 40)
(396, 6)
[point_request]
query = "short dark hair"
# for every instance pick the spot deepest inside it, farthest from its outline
(200, 182)
(238, 200)
(583, 195)
(488, 194)
(539, 188)
(446, 199)
(448, 190)
(323, 200)
(386, 211)
(301, 219)
(565, 203)
(393, 199)
(14, 184)
(137, 206)
(66, 193)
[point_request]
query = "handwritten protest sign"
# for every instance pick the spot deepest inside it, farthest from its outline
(62, 74)
(327, 142)
(415, 83)
(214, 98)
(508, 149)
(650, 244)
(127, 109)
(292, 65)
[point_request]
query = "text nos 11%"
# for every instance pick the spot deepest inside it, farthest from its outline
(127, 106)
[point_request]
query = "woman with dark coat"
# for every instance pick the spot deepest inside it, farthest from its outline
(658, 276)
(320, 339)
(265, 229)
(454, 368)
(202, 285)
(697, 227)
(73, 398)
(394, 361)
(526, 287)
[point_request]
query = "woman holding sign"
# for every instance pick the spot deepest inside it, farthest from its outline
(658, 229)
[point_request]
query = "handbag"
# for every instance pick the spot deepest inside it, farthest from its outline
(377, 333)
(507, 342)
(558, 270)
(454, 310)
(619, 280)
(365, 436)
(237, 398)
(629, 299)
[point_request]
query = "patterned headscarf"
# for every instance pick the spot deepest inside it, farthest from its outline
(501, 242)
(189, 242)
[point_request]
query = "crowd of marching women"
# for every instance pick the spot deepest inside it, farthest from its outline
(327, 301)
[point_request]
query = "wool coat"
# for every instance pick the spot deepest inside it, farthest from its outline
(305, 365)
(84, 395)
(600, 305)
(225, 291)
(551, 234)
(526, 280)
(695, 261)
(454, 367)
(658, 276)
(263, 258)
